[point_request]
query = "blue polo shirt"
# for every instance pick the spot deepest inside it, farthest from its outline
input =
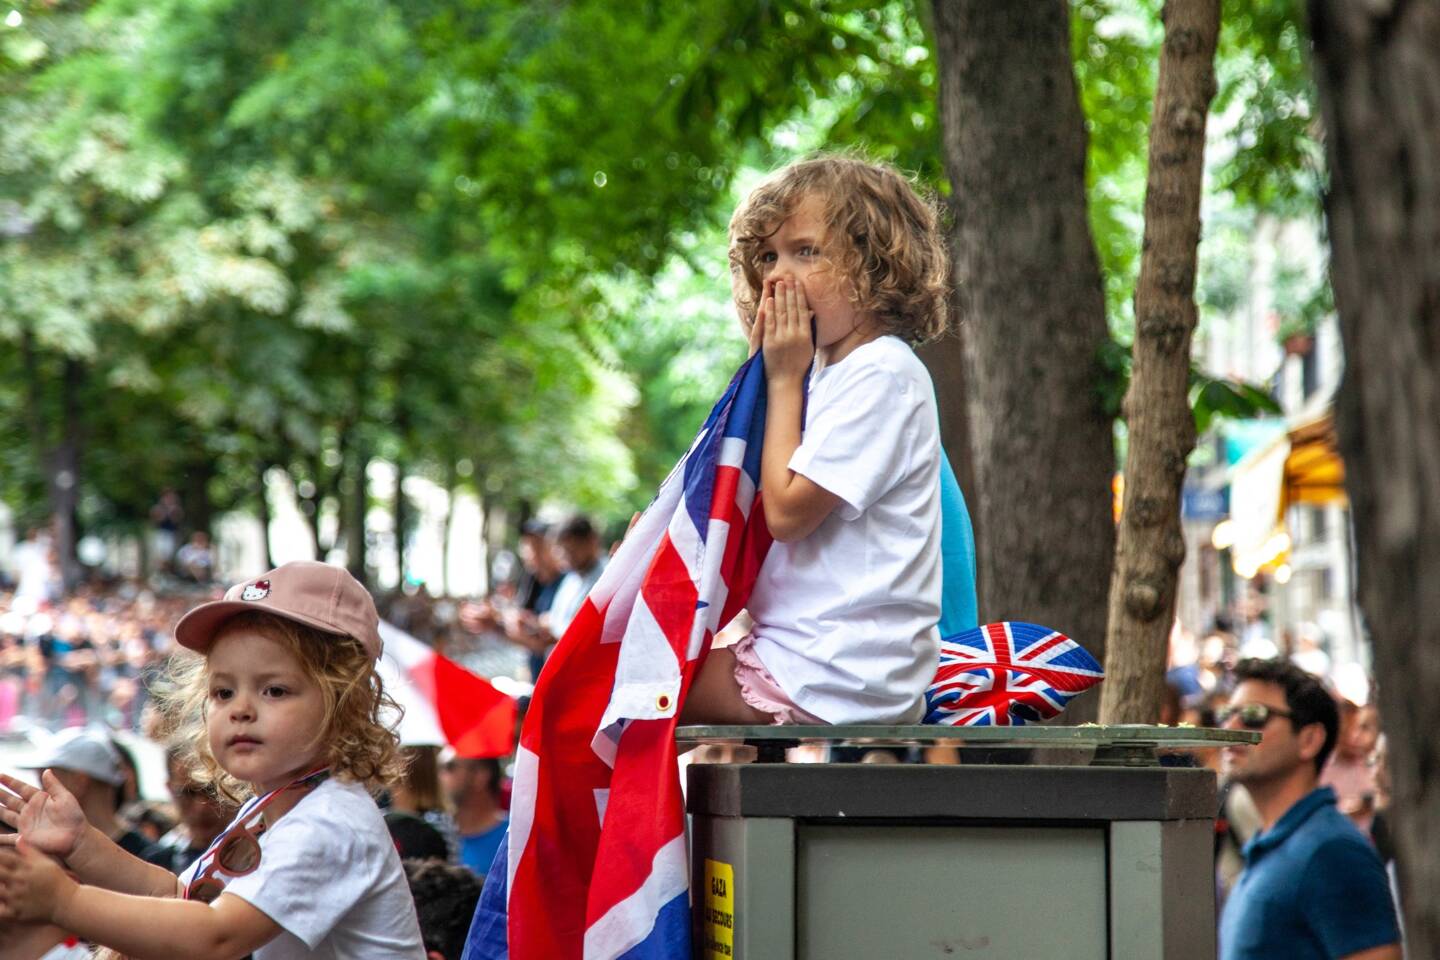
(1313, 886)
(477, 850)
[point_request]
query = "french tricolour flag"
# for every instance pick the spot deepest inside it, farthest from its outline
(443, 702)
(596, 864)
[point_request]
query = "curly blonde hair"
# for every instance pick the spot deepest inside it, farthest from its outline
(883, 237)
(361, 745)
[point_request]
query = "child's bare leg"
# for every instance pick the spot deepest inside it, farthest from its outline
(715, 695)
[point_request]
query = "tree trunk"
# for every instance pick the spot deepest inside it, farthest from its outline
(262, 499)
(1378, 78)
(402, 518)
(452, 482)
(354, 511)
(199, 508)
(59, 460)
(945, 358)
(1029, 292)
(64, 475)
(1150, 545)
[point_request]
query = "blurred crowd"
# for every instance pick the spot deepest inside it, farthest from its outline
(88, 656)
(76, 666)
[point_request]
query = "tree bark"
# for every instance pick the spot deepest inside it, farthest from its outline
(1029, 293)
(65, 474)
(59, 459)
(199, 508)
(1150, 545)
(262, 499)
(452, 484)
(945, 358)
(1378, 76)
(354, 513)
(401, 514)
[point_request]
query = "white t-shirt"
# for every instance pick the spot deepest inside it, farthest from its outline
(845, 619)
(329, 875)
(571, 593)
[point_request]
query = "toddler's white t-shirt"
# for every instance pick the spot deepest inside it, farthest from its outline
(329, 875)
(845, 619)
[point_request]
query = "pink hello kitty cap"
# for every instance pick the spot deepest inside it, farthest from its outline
(316, 594)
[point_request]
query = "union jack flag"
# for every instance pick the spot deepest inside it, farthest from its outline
(1007, 673)
(595, 864)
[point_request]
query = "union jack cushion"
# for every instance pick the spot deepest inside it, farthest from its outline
(1007, 673)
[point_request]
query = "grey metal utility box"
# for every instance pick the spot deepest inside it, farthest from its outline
(903, 862)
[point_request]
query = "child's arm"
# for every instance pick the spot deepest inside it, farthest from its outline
(99, 861)
(34, 888)
(794, 504)
(50, 820)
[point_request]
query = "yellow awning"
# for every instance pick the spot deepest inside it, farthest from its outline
(1257, 486)
(1302, 466)
(1314, 472)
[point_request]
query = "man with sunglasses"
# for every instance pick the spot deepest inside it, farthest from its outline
(1312, 886)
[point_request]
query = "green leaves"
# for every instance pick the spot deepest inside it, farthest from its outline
(487, 229)
(1218, 398)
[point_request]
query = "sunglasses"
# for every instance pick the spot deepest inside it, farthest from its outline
(1252, 716)
(237, 851)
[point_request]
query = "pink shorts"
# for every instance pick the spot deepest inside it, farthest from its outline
(759, 689)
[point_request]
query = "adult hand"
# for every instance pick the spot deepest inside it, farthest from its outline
(789, 350)
(477, 616)
(48, 819)
(33, 887)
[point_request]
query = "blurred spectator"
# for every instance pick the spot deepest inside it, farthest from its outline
(87, 658)
(1349, 772)
(1312, 885)
(166, 515)
(14, 668)
(1310, 654)
(517, 615)
(415, 839)
(1380, 832)
(87, 763)
(196, 561)
(1235, 824)
(473, 788)
(579, 546)
(70, 665)
(445, 898)
(420, 794)
(203, 815)
(1255, 637)
(37, 575)
(542, 572)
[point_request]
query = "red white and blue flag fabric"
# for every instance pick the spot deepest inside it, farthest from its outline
(443, 702)
(1007, 673)
(596, 865)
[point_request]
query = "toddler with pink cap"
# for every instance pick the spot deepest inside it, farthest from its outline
(279, 707)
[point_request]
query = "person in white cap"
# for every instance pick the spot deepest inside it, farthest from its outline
(86, 762)
(284, 707)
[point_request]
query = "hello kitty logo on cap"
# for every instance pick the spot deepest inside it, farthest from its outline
(316, 594)
(258, 590)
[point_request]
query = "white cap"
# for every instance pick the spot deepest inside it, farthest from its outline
(83, 750)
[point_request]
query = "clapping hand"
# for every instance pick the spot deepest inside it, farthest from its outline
(32, 885)
(48, 819)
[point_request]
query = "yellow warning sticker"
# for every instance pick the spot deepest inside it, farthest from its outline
(718, 926)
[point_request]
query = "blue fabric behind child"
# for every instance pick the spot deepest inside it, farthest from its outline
(958, 608)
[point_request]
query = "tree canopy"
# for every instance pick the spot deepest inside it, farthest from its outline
(236, 236)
